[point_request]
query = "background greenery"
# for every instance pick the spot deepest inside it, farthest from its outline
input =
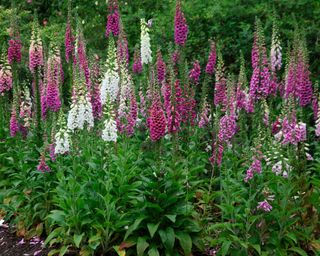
(229, 22)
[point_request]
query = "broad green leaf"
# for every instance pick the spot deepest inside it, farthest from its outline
(63, 250)
(299, 251)
(153, 252)
(225, 247)
(118, 251)
(167, 238)
(77, 239)
(133, 227)
(142, 245)
(185, 242)
(171, 217)
(257, 248)
(153, 228)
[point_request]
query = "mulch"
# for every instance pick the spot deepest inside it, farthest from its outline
(11, 245)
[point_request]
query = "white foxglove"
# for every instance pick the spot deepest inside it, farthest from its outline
(145, 43)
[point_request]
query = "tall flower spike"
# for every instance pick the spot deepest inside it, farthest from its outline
(62, 137)
(113, 19)
(210, 68)
(145, 43)
(137, 64)
(81, 108)
(110, 83)
(109, 133)
(42, 166)
(15, 45)
(156, 120)
(14, 128)
(35, 50)
(275, 54)
(69, 41)
(180, 26)
(26, 107)
(161, 68)
(220, 90)
(53, 79)
(195, 72)
(96, 95)
(5, 74)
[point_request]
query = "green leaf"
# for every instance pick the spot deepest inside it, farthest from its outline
(167, 238)
(133, 227)
(257, 248)
(63, 250)
(57, 216)
(77, 239)
(153, 228)
(225, 247)
(185, 242)
(171, 217)
(299, 251)
(153, 252)
(142, 245)
(292, 237)
(94, 241)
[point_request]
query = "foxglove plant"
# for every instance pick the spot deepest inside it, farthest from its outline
(69, 41)
(194, 74)
(42, 166)
(113, 20)
(53, 81)
(260, 80)
(15, 45)
(210, 68)
(95, 94)
(36, 49)
(14, 127)
(5, 75)
(81, 109)
(110, 82)
(275, 54)
(180, 26)
(62, 137)
(220, 90)
(241, 87)
(156, 120)
(137, 63)
(81, 57)
(145, 43)
(265, 206)
(122, 48)
(26, 108)
(161, 68)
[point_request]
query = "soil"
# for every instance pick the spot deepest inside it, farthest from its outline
(11, 245)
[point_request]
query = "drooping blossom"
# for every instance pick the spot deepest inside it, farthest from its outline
(260, 80)
(62, 137)
(69, 41)
(241, 87)
(145, 43)
(109, 133)
(122, 48)
(220, 90)
(132, 115)
(304, 85)
(255, 167)
(5, 75)
(156, 120)
(42, 166)
(180, 26)
(95, 94)
(80, 112)
(161, 68)
(110, 82)
(82, 57)
(137, 64)
(204, 117)
(195, 72)
(14, 128)
(25, 112)
(52, 152)
(275, 54)
(210, 68)
(53, 81)
(227, 128)
(113, 20)
(265, 206)
(15, 45)
(35, 50)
